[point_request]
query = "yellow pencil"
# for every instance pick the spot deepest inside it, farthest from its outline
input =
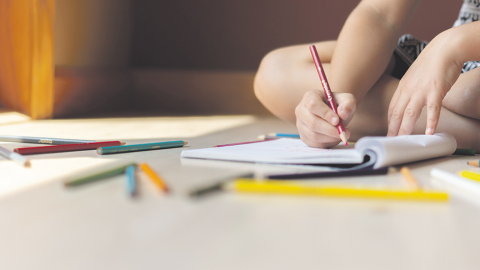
(281, 187)
(470, 175)
(412, 182)
(154, 177)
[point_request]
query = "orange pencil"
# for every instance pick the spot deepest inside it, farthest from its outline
(407, 174)
(474, 163)
(154, 177)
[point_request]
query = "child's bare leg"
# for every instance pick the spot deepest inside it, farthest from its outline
(286, 74)
(464, 96)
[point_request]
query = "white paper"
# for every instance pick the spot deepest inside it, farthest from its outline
(284, 151)
(407, 148)
(389, 151)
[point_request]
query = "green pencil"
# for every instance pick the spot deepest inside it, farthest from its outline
(464, 152)
(98, 175)
(139, 147)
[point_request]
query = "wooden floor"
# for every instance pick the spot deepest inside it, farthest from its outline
(44, 225)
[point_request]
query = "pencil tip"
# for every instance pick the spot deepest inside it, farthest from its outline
(343, 136)
(123, 143)
(27, 164)
(185, 143)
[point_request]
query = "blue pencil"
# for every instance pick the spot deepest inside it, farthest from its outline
(131, 180)
(284, 135)
(139, 147)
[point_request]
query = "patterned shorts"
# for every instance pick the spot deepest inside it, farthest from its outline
(407, 50)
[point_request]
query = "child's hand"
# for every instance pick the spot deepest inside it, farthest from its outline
(316, 122)
(426, 83)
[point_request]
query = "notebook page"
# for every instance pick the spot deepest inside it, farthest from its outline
(407, 148)
(284, 151)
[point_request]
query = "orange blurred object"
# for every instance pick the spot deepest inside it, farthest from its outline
(26, 56)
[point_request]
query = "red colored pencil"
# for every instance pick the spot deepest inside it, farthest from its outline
(64, 147)
(222, 145)
(328, 92)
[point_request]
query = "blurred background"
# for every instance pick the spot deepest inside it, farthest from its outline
(157, 57)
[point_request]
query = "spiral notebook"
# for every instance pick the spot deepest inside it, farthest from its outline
(376, 152)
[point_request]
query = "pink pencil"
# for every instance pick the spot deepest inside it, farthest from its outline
(231, 144)
(328, 92)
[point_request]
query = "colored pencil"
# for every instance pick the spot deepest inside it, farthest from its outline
(41, 140)
(216, 185)
(154, 177)
(470, 175)
(64, 147)
(267, 137)
(287, 135)
(412, 182)
(139, 147)
(14, 157)
(474, 163)
(464, 184)
(464, 152)
(328, 92)
(232, 144)
(103, 174)
(342, 173)
(246, 185)
(131, 182)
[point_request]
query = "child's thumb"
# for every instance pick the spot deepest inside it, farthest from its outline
(346, 105)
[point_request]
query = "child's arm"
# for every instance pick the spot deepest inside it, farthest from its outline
(366, 43)
(362, 53)
(431, 76)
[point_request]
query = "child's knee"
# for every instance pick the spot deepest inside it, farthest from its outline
(271, 73)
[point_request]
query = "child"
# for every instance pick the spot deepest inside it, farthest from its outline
(365, 76)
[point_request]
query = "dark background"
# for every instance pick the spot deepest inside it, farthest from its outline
(235, 35)
(193, 57)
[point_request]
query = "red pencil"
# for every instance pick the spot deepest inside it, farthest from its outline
(64, 147)
(328, 92)
(222, 145)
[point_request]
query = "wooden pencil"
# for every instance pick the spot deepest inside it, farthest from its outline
(97, 175)
(139, 147)
(474, 163)
(41, 140)
(232, 144)
(156, 179)
(247, 185)
(412, 182)
(64, 147)
(130, 173)
(14, 157)
(328, 92)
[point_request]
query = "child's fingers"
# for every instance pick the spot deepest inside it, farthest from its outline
(434, 105)
(316, 124)
(315, 105)
(314, 139)
(397, 117)
(316, 121)
(410, 116)
(347, 105)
